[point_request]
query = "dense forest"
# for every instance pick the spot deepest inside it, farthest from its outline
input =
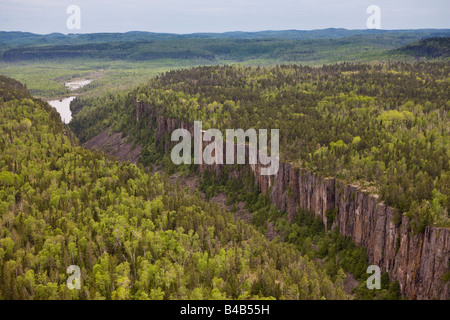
(430, 48)
(133, 234)
(138, 235)
(382, 126)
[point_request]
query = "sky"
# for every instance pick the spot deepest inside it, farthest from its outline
(190, 16)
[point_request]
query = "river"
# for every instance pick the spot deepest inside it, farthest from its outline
(63, 105)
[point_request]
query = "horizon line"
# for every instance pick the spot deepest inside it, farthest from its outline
(225, 32)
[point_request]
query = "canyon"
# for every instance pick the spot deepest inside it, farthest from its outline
(418, 261)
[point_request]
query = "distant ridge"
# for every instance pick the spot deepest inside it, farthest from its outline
(17, 38)
(315, 46)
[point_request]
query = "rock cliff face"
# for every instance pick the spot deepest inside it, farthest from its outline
(417, 262)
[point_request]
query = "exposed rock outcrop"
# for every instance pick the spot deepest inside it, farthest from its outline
(113, 144)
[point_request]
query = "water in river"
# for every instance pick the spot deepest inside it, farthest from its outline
(63, 105)
(77, 84)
